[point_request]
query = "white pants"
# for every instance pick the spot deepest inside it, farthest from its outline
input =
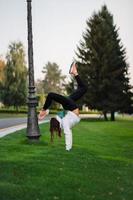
(67, 123)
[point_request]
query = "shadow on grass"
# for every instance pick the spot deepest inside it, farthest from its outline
(35, 143)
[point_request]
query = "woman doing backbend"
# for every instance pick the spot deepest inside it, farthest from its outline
(72, 117)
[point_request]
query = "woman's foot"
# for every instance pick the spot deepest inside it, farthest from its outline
(73, 69)
(43, 114)
(76, 111)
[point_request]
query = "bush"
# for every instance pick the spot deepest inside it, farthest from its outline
(12, 110)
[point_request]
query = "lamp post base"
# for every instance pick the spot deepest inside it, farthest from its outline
(33, 139)
(33, 132)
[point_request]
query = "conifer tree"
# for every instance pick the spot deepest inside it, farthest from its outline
(103, 65)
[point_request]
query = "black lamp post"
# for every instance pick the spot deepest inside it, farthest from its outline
(33, 132)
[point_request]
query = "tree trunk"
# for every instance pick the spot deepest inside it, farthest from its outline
(112, 116)
(105, 115)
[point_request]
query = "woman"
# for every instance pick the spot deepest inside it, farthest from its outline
(72, 117)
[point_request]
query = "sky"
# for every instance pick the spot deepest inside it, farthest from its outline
(58, 26)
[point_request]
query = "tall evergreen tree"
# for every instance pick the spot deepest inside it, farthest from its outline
(102, 64)
(15, 89)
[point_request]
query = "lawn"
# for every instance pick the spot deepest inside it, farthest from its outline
(99, 167)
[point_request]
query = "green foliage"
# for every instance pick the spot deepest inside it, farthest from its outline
(41, 99)
(103, 66)
(99, 166)
(39, 86)
(2, 77)
(13, 110)
(70, 87)
(15, 88)
(53, 81)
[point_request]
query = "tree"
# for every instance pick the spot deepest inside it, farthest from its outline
(2, 67)
(2, 76)
(15, 89)
(53, 81)
(102, 64)
(39, 86)
(40, 92)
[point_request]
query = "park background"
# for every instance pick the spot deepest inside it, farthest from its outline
(58, 26)
(100, 164)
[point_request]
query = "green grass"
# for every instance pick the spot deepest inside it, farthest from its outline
(99, 167)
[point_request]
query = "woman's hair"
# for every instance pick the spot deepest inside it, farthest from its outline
(54, 127)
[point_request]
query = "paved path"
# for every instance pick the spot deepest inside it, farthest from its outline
(11, 125)
(8, 122)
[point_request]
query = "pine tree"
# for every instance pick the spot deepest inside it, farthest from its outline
(102, 64)
(15, 89)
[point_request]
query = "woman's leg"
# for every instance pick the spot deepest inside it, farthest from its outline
(67, 132)
(81, 90)
(67, 103)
